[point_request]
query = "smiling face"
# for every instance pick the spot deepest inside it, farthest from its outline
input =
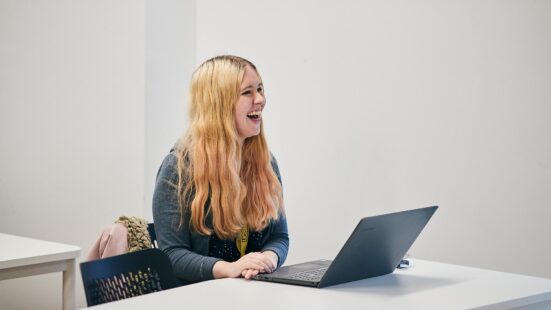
(251, 102)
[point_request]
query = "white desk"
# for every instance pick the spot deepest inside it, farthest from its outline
(426, 285)
(23, 257)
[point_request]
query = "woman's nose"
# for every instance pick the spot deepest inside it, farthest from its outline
(259, 98)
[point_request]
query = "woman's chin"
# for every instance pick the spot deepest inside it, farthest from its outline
(252, 134)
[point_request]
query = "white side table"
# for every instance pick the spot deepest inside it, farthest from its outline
(22, 257)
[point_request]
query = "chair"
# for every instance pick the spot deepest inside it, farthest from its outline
(127, 275)
(152, 235)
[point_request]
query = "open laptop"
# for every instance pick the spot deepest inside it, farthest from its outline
(376, 246)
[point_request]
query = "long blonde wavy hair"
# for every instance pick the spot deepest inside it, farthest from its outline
(214, 166)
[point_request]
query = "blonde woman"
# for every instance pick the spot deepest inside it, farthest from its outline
(218, 205)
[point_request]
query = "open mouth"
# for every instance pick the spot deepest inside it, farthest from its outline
(254, 115)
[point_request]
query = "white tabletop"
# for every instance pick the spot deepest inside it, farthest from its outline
(426, 285)
(21, 251)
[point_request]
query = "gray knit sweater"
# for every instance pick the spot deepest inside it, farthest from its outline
(187, 249)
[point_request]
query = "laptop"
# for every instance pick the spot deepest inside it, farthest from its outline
(375, 248)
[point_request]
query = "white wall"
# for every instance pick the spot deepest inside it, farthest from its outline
(170, 59)
(376, 106)
(71, 127)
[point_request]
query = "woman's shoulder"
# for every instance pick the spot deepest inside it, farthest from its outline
(273, 160)
(169, 166)
(275, 166)
(171, 159)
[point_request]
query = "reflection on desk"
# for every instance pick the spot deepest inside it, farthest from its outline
(426, 285)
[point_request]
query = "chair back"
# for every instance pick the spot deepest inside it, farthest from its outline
(127, 275)
(152, 235)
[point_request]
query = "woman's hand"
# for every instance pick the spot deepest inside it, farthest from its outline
(253, 262)
(271, 258)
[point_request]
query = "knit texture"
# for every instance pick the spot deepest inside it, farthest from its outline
(138, 236)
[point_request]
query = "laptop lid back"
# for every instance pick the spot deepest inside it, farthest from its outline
(376, 246)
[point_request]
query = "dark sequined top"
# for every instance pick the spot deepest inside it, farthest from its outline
(227, 249)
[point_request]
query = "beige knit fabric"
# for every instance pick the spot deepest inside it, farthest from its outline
(138, 236)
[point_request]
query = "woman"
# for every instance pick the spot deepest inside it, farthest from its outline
(218, 205)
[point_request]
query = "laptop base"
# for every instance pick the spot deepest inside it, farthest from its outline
(291, 274)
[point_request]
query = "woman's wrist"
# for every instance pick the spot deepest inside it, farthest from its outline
(273, 256)
(220, 269)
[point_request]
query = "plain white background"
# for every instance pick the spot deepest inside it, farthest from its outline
(72, 81)
(373, 107)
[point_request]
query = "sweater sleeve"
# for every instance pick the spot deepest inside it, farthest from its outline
(278, 241)
(175, 239)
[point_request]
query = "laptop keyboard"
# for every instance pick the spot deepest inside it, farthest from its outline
(309, 275)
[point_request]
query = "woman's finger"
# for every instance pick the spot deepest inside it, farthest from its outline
(251, 262)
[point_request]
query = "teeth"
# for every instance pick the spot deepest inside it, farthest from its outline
(255, 113)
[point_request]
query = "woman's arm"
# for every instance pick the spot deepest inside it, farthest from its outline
(278, 242)
(175, 239)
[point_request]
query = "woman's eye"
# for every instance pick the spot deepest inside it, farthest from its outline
(260, 89)
(247, 92)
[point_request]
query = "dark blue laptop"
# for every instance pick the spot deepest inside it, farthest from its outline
(375, 247)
